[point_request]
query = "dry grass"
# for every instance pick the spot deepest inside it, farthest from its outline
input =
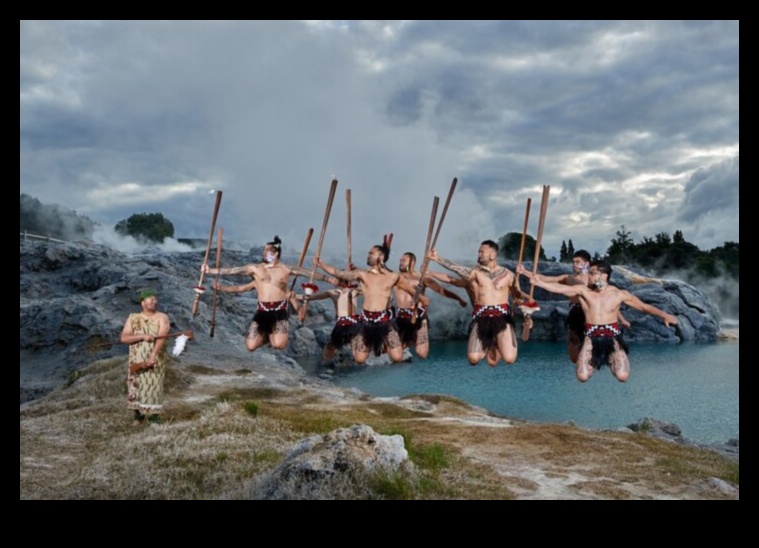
(221, 433)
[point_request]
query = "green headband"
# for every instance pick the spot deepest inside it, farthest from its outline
(146, 294)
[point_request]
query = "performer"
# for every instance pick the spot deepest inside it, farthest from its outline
(602, 337)
(347, 320)
(416, 333)
(576, 316)
(147, 357)
(378, 332)
(270, 322)
(491, 333)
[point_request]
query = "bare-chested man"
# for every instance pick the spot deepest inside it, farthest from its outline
(602, 337)
(348, 319)
(491, 333)
(270, 276)
(576, 316)
(378, 332)
(416, 333)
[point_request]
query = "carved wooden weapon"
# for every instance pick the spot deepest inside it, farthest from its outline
(199, 289)
(216, 282)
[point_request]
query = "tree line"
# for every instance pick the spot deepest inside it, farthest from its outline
(61, 223)
(660, 254)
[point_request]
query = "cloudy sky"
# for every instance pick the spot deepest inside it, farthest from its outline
(631, 123)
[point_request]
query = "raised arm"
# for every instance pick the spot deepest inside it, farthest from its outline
(294, 270)
(631, 300)
(462, 271)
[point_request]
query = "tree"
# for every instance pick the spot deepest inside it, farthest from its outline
(563, 252)
(621, 249)
(509, 244)
(570, 251)
(153, 227)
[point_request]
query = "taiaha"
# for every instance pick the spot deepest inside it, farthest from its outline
(199, 289)
(216, 282)
(431, 245)
(302, 255)
(309, 287)
(350, 245)
(531, 306)
(189, 334)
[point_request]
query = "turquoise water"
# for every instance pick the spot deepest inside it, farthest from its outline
(692, 385)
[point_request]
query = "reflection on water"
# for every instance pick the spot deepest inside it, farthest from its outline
(692, 385)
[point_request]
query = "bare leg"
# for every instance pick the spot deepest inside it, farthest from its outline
(507, 345)
(474, 350)
(393, 346)
(360, 351)
(620, 364)
(329, 352)
(584, 369)
(254, 340)
(278, 337)
(573, 347)
(422, 347)
(493, 357)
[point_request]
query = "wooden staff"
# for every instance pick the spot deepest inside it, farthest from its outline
(426, 261)
(330, 199)
(524, 232)
(348, 212)
(541, 223)
(302, 255)
(189, 334)
(350, 243)
(216, 282)
(199, 289)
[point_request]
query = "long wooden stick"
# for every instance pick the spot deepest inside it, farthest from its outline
(426, 261)
(330, 199)
(216, 282)
(188, 333)
(199, 287)
(524, 230)
(348, 213)
(541, 223)
(427, 247)
(302, 255)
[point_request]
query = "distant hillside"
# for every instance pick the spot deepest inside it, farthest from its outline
(53, 220)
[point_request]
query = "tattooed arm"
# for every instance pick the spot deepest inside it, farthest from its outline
(462, 271)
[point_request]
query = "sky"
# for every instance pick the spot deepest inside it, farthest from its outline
(630, 123)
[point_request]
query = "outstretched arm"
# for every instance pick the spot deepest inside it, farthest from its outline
(437, 288)
(403, 284)
(250, 286)
(553, 287)
(248, 269)
(347, 275)
(462, 271)
(294, 270)
(631, 300)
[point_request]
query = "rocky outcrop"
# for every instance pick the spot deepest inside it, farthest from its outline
(74, 297)
(319, 467)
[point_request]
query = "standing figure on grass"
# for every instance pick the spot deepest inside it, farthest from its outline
(147, 357)
(602, 337)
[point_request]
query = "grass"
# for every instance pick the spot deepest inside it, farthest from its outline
(222, 441)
